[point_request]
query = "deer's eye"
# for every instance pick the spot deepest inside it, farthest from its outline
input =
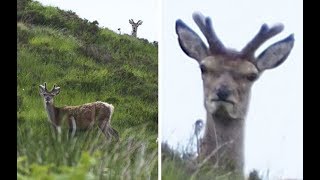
(252, 76)
(203, 69)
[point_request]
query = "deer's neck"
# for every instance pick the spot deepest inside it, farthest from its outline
(134, 31)
(52, 113)
(227, 135)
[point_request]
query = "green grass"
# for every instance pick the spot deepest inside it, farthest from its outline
(176, 165)
(89, 64)
(86, 156)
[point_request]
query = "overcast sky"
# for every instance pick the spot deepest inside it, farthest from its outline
(274, 121)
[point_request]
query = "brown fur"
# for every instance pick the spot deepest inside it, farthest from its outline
(227, 77)
(85, 116)
(225, 121)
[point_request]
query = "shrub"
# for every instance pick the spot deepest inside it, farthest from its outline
(97, 53)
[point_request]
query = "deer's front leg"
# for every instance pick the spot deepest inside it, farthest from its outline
(72, 125)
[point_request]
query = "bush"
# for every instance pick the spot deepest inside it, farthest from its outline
(21, 4)
(34, 13)
(97, 53)
(23, 34)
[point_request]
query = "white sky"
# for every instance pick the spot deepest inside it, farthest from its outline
(274, 121)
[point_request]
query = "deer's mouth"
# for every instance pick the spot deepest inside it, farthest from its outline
(222, 101)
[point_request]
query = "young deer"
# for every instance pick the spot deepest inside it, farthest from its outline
(78, 117)
(227, 79)
(134, 27)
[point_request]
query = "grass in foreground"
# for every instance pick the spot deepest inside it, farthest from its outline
(176, 165)
(86, 156)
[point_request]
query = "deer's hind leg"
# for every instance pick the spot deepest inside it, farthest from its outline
(113, 132)
(104, 118)
(108, 131)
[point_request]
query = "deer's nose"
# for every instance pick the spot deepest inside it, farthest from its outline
(223, 92)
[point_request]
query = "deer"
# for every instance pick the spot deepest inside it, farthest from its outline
(227, 78)
(134, 27)
(81, 117)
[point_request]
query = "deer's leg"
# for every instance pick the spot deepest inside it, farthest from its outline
(58, 132)
(113, 132)
(72, 126)
(104, 124)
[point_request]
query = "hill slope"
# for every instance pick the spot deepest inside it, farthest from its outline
(90, 64)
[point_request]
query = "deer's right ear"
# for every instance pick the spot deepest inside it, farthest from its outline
(42, 88)
(190, 42)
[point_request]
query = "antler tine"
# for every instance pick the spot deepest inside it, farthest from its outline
(45, 86)
(263, 35)
(206, 28)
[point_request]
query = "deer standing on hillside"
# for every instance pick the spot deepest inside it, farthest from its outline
(134, 27)
(78, 117)
(227, 79)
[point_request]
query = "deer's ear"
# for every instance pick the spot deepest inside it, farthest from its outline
(190, 42)
(42, 89)
(275, 54)
(55, 91)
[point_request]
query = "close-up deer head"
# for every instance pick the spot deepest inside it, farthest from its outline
(227, 77)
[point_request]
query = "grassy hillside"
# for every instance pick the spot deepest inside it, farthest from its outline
(90, 64)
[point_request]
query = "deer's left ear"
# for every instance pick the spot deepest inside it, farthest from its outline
(275, 54)
(55, 90)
